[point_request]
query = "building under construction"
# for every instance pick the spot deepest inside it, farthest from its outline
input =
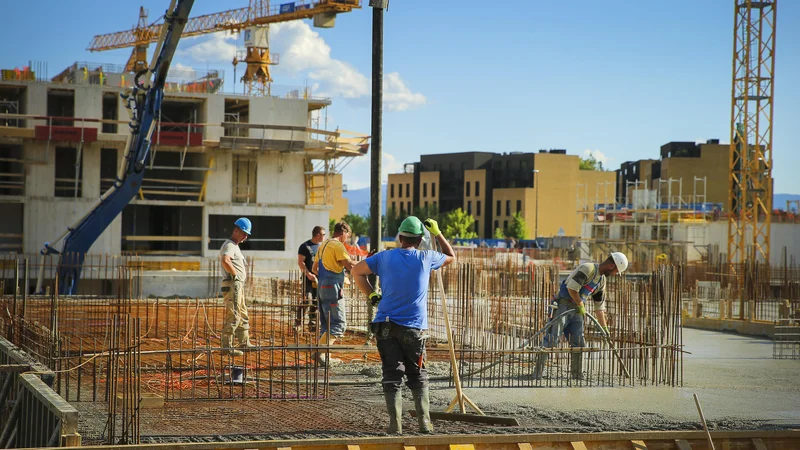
(215, 156)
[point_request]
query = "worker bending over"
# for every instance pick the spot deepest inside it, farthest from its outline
(234, 265)
(586, 281)
(330, 263)
(402, 318)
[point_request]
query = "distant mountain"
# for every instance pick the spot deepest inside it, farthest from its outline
(359, 200)
(779, 200)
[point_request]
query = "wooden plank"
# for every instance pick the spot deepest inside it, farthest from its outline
(458, 417)
(162, 180)
(759, 444)
(524, 446)
(353, 447)
(683, 444)
(187, 194)
(639, 445)
(461, 447)
(409, 447)
(579, 445)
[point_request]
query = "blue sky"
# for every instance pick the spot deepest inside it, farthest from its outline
(616, 78)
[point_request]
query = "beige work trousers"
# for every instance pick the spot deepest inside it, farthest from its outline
(236, 317)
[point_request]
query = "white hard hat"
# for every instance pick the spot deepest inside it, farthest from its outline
(620, 260)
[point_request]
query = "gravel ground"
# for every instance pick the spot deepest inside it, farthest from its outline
(739, 384)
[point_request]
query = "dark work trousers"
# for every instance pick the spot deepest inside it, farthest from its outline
(402, 351)
(305, 303)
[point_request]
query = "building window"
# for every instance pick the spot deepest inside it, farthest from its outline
(394, 208)
(469, 208)
(272, 236)
(424, 189)
(519, 205)
(69, 172)
(391, 190)
(505, 225)
(477, 189)
(401, 207)
(408, 189)
(496, 225)
(477, 228)
(400, 190)
(478, 208)
(508, 207)
(600, 232)
(468, 183)
(408, 207)
(434, 204)
(426, 204)
(433, 191)
(498, 208)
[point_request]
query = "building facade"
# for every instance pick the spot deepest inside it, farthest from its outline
(214, 157)
(547, 189)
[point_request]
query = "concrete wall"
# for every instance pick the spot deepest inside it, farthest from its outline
(213, 112)
(88, 105)
(431, 179)
(403, 183)
(277, 111)
(527, 199)
(219, 187)
(476, 178)
(46, 219)
(36, 101)
(281, 178)
(713, 164)
(558, 180)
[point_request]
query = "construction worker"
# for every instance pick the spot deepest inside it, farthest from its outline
(237, 321)
(305, 260)
(330, 262)
(402, 318)
(586, 281)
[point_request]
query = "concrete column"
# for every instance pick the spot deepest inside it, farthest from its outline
(213, 112)
(91, 171)
(88, 105)
(220, 182)
(36, 103)
(40, 178)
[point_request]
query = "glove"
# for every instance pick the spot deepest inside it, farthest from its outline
(580, 309)
(432, 226)
(375, 298)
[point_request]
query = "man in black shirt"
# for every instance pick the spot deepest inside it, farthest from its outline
(305, 259)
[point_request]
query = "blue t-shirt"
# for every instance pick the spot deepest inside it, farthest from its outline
(404, 274)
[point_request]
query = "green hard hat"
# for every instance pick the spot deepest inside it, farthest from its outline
(412, 227)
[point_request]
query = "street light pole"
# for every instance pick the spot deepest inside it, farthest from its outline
(536, 223)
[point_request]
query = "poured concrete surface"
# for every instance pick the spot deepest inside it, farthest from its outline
(734, 376)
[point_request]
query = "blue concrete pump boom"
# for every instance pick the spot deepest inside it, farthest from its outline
(143, 103)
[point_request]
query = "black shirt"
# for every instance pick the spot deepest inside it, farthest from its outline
(309, 250)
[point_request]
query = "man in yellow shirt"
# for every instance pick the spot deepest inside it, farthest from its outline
(330, 263)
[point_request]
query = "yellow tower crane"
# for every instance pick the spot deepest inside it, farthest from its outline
(750, 183)
(253, 20)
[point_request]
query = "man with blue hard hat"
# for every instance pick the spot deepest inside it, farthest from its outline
(402, 317)
(237, 321)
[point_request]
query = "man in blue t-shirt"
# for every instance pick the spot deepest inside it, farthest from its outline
(402, 316)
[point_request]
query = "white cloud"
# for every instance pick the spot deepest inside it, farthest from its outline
(218, 48)
(304, 53)
(598, 155)
(357, 174)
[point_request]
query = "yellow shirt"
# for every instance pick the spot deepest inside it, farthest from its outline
(333, 254)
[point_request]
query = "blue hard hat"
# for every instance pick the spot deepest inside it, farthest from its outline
(244, 225)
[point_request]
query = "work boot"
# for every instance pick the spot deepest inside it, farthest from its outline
(227, 346)
(321, 356)
(423, 407)
(576, 366)
(541, 360)
(243, 338)
(394, 405)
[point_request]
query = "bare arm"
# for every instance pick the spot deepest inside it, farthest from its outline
(348, 264)
(301, 262)
(447, 249)
(360, 272)
(576, 297)
(601, 318)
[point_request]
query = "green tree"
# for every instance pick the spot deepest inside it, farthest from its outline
(518, 228)
(591, 163)
(359, 225)
(498, 234)
(331, 224)
(459, 224)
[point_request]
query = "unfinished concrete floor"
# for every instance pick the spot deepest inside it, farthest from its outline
(739, 384)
